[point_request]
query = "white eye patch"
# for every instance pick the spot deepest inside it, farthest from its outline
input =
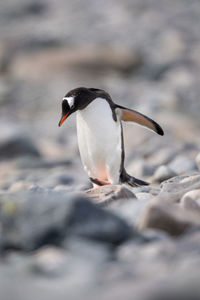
(70, 101)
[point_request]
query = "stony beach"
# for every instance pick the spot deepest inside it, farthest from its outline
(59, 239)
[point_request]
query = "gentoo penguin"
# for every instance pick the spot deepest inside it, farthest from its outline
(100, 134)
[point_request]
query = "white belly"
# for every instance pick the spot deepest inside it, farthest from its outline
(99, 140)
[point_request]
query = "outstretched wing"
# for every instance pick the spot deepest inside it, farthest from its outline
(129, 115)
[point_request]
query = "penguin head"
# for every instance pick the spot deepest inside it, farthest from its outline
(77, 99)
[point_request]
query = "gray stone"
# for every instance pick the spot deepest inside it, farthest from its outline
(193, 194)
(101, 225)
(151, 189)
(15, 143)
(164, 212)
(176, 187)
(41, 163)
(153, 235)
(190, 205)
(20, 186)
(142, 189)
(109, 193)
(191, 200)
(48, 261)
(63, 187)
(89, 250)
(198, 160)
(182, 164)
(163, 156)
(140, 168)
(144, 196)
(55, 179)
(130, 209)
(162, 217)
(163, 173)
(32, 219)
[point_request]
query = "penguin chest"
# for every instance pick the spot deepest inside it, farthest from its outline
(99, 140)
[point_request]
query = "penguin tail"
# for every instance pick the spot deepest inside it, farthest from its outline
(132, 181)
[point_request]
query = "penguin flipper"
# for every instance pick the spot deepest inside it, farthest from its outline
(129, 115)
(132, 181)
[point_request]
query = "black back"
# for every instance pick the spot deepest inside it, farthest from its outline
(84, 96)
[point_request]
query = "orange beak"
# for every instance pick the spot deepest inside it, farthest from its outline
(63, 119)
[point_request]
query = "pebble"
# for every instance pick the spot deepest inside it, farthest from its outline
(108, 193)
(191, 199)
(129, 209)
(198, 160)
(163, 156)
(53, 180)
(159, 216)
(163, 173)
(95, 252)
(20, 186)
(144, 196)
(140, 168)
(174, 188)
(48, 260)
(182, 183)
(181, 164)
(62, 187)
(14, 142)
(190, 204)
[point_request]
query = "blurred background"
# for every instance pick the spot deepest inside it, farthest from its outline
(145, 53)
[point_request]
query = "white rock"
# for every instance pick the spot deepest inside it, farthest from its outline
(191, 197)
(48, 259)
(190, 204)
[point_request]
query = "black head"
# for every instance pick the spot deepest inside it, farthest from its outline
(78, 99)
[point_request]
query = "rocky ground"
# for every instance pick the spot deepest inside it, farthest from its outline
(58, 238)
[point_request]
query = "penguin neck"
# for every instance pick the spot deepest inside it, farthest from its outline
(95, 112)
(98, 111)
